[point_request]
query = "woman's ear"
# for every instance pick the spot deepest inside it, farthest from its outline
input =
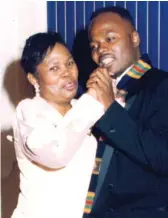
(32, 80)
(135, 39)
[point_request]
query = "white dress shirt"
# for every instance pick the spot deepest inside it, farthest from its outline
(56, 157)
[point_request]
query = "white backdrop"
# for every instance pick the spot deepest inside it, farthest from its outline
(18, 20)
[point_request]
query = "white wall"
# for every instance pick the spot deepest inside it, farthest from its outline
(18, 20)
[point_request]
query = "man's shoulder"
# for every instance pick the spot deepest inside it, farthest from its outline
(159, 71)
(156, 77)
(156, 81)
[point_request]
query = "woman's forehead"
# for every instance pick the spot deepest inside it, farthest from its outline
(57, 53)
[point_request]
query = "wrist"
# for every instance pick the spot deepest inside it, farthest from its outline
(92, 92)
(107, 105)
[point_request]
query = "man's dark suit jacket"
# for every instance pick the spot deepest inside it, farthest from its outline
(136, 184)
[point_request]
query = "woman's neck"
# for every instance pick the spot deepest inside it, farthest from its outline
(63, 108)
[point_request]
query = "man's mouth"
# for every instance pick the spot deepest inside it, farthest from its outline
(71, 85)
(106, 60)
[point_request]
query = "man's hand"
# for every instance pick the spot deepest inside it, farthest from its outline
(100, 86)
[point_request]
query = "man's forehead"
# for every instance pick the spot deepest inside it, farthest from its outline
(103, 21)
(107, 17)
(109, 20)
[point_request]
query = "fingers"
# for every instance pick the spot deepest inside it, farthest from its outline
(93, 85)
(101, 71)
(103, 78)
(93, 79)
(100, 82)
(96, 84)
(100, 75)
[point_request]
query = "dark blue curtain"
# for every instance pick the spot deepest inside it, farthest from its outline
(70, 18)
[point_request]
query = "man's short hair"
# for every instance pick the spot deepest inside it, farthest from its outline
(122, 12)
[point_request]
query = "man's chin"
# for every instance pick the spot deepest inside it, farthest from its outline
(112, 72)
(114, 75)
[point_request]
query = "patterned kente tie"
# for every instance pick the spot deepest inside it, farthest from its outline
(133, 75)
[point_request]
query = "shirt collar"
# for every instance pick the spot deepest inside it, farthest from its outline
(121, 76)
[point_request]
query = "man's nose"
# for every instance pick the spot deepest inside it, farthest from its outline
(102, 48)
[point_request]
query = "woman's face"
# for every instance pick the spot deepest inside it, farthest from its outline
(58, 75)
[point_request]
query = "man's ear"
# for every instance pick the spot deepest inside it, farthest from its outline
(32, 80)
(135, 39)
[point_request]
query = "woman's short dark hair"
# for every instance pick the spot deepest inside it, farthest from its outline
(122, 12)
(35, 49)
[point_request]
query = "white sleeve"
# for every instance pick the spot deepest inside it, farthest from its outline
(54, 146)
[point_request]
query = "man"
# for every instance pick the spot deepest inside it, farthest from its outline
(135, 125)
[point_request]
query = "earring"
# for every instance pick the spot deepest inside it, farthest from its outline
(37, 90)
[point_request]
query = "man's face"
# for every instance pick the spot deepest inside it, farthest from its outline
(114, 43)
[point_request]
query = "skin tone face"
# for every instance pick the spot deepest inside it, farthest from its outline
(57, 78)
(114, 43)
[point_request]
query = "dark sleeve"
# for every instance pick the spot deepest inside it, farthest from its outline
(146, 146)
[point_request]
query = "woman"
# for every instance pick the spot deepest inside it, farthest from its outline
(54, 148)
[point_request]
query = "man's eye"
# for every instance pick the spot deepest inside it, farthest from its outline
(93, 48)
(111, 39)
(54, 68)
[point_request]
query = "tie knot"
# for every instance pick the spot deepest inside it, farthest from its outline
(120, 97)
(121, 94)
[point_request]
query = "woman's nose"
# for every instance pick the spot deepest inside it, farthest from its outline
(66, 72)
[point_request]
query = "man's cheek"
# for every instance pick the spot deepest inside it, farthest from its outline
(95, 58)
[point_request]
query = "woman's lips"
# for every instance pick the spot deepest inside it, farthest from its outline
(70, 86)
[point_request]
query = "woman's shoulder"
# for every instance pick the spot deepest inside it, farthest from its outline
(73, 101)
(27, 102)
(29, 106)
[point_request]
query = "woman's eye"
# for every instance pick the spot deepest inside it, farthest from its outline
(70, 63)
